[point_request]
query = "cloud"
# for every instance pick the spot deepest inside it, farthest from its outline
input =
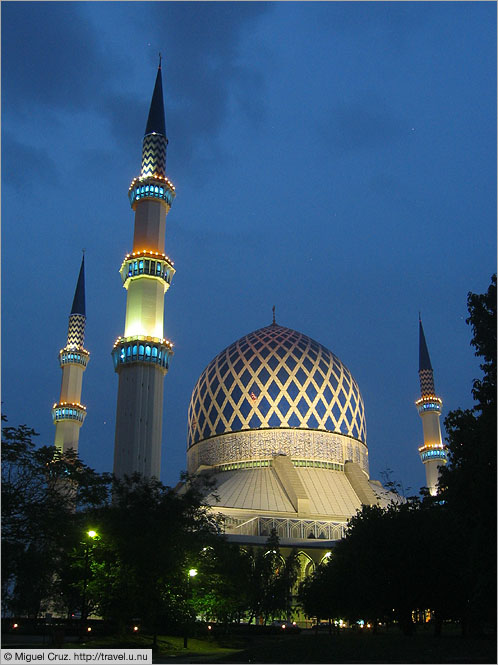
(23, 163)
(362, 124)
(61, 57)
(50, 57)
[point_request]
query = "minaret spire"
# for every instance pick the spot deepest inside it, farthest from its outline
(155, 121)
(141, 356)
(79, 294)
(68, 413)
(429, 406)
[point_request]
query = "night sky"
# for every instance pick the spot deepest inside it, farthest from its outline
(336, 160)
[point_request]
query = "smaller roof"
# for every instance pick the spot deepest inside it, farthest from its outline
(79, 294)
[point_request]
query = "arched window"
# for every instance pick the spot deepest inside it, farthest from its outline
(141, 351)
(147, 351)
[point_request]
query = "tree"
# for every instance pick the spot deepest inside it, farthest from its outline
(468, 482)
(220, 591)
(410, 555)
(150, 536)
(271, 579)
(43, 496)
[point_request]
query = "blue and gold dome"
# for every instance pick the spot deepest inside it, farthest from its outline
(272, 378)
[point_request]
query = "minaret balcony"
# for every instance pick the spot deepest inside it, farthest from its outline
(147, 264)
(429, 403)
(156, 187)
(69, 356)
(68, 411)
(142, 349)
(434, 452)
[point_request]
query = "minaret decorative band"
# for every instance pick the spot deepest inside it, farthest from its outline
(151, 188)
(76, 331)
(154, 156)
(142, 349)
(429, 403)
(68, 411)
(426, 377)
(147, 263)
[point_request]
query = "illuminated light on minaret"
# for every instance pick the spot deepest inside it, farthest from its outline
(68, 413)
(141, 356)
(429, 406)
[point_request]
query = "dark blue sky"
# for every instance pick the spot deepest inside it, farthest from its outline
(337, 160)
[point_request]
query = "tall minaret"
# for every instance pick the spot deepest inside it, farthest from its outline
(433, 452)
(68, 413)
(141, 356)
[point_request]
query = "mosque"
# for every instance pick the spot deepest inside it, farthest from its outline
(275, 419)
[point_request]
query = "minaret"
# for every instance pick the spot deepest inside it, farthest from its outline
(68, 413)
(433, 452)
(141, 356)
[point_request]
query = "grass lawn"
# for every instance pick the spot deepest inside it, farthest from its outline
(349, 647)
(345, 647)
(169, 647)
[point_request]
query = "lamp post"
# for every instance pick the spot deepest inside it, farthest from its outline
(191, 573)
(92, 535)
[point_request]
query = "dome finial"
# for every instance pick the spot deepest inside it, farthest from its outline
(273, 310)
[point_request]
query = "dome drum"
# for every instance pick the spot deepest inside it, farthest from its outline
(244, 449)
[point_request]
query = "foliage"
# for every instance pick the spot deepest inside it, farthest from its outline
(150, 536)
(468, 482)
(43, 495)
(270, 582)
(429, 552)
(220, 590)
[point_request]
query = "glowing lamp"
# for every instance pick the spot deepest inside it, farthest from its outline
(192, 572)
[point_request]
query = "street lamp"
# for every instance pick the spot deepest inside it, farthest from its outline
(92, 535)
(191, 574)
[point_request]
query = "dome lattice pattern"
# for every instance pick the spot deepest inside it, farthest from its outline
(275, 377)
